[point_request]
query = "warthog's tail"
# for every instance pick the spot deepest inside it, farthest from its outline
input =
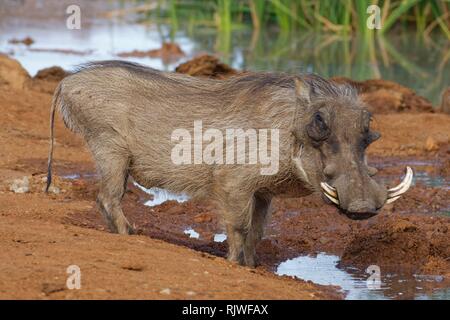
(55, 102)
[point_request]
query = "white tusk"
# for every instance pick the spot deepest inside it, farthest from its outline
(390, 200)
(403, 186)
(329, 189)
(334, 200)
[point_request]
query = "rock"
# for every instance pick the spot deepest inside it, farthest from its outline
(165, 291)
(431, 144)
(323, 240)
(20, 185)
(206, 66)
(12, 73)
(52, 189)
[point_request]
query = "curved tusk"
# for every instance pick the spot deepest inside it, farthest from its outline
(334, 200)
(390, 200)
(329, 189)
(403, 186)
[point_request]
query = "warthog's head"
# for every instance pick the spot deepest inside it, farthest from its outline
(332, 131)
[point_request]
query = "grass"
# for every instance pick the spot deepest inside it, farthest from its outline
(328, 16)
(330, 35)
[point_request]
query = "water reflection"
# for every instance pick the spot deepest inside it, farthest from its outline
(323, 269)
(405, 58)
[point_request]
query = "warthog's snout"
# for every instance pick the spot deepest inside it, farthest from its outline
(364, 200)
(361, 209)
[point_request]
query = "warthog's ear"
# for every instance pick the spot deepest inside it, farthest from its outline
(303, 91)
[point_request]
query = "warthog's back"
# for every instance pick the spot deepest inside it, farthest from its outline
(133, 109)
(136, 101)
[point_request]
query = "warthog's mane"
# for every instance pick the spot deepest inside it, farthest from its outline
(250, 82)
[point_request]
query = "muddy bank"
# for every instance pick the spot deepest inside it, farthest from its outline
(169, 52)
(42, 234)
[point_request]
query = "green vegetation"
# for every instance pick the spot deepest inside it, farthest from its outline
(328, 16)
(329, 37)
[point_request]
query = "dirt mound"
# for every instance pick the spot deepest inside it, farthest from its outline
(169, 52)
(408, 241)
(12, 73)
(383, 96)
(206, 66)
(47, 79)
(51, 74)
(26, 41)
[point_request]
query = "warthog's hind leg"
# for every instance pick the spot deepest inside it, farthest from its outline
(113, 170)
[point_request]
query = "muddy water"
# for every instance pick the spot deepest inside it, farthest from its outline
(360, 284)
(160, 196)
(424, 171)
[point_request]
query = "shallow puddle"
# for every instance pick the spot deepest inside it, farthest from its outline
(422, 178)
(161, 195)
(192, 233)
(356, 284)
(421, 168)
(220, 237)
(55, 44)
(75, 176)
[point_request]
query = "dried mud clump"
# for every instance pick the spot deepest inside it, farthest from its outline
(409, 242)
(383, 96)
(169, 52)
(51, 74)
(206, 66)
(46, 80)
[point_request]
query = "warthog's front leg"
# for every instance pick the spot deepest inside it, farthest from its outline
(245, 223)
(261, 207)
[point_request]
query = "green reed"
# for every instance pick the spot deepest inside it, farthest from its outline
(337, 16)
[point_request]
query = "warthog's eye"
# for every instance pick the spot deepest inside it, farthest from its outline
(318, 129)
(370, 137)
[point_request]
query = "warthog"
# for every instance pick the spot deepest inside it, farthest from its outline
(127, 114)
